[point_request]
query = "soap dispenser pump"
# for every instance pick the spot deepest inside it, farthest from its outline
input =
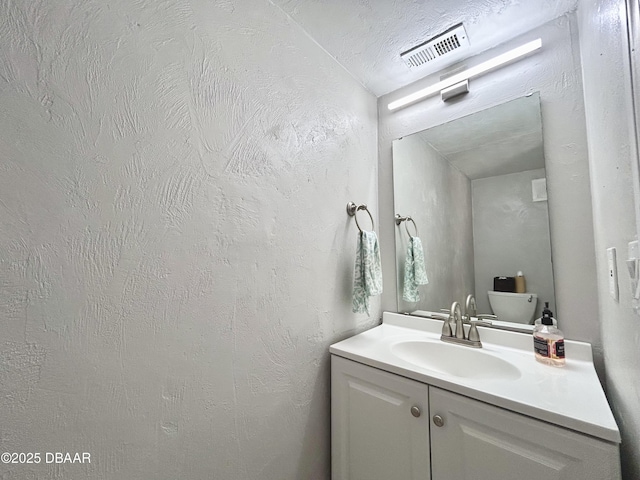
(548, 340)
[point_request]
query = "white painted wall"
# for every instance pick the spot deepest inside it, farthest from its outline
(511, 234)
(438, 197)
(607, 91)
(555, 73)
(175, 255)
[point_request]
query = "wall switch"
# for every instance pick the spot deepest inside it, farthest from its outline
(613, 273)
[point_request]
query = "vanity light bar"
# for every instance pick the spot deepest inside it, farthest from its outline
(467, 74)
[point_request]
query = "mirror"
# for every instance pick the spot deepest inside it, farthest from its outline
(476, 189)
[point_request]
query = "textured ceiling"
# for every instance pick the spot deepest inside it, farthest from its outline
(367, 36)
(500, 140)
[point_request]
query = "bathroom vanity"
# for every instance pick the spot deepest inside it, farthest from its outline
(407, 406)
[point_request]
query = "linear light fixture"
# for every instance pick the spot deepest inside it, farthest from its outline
(467, 74)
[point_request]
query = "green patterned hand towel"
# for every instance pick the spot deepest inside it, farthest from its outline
(414, 271)
(367, 277)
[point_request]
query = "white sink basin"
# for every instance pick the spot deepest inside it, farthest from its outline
(456, 360)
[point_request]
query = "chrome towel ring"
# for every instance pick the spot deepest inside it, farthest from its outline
(352, 210)
(400, 219)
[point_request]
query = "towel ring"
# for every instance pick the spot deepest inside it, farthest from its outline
(352, 210)
(400, 219)
(406, 227)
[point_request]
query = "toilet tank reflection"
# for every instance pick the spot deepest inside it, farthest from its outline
(513, 307)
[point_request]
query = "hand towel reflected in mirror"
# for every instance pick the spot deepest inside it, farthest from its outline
(415, 273)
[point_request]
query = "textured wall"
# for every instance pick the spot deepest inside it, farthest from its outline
(175, 256)
(555, 73)
(607, 90)
(438, 197)
(511, 234)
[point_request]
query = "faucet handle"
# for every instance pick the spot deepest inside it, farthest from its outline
(486, 316)
(474, 336)
(446, 328)
(482, 323)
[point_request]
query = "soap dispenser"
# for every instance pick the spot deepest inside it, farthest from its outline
(548, 340)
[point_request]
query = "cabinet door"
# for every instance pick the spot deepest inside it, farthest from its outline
(375, 434)
(482, 442)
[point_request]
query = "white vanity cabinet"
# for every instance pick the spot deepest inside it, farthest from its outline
(379, 424)
(388, 427)
(482, 442)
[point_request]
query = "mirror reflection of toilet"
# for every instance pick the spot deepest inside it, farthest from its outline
(513, 307)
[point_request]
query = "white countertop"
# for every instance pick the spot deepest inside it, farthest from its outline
(570, 397)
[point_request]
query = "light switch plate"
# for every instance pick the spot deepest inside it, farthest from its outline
(612, 273)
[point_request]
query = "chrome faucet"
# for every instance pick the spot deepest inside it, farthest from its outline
(453, 326)
(459, 337)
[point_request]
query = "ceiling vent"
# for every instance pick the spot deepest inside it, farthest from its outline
(445, 44)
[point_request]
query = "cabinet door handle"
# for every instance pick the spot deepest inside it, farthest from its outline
(415, 411)
(438, 420)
